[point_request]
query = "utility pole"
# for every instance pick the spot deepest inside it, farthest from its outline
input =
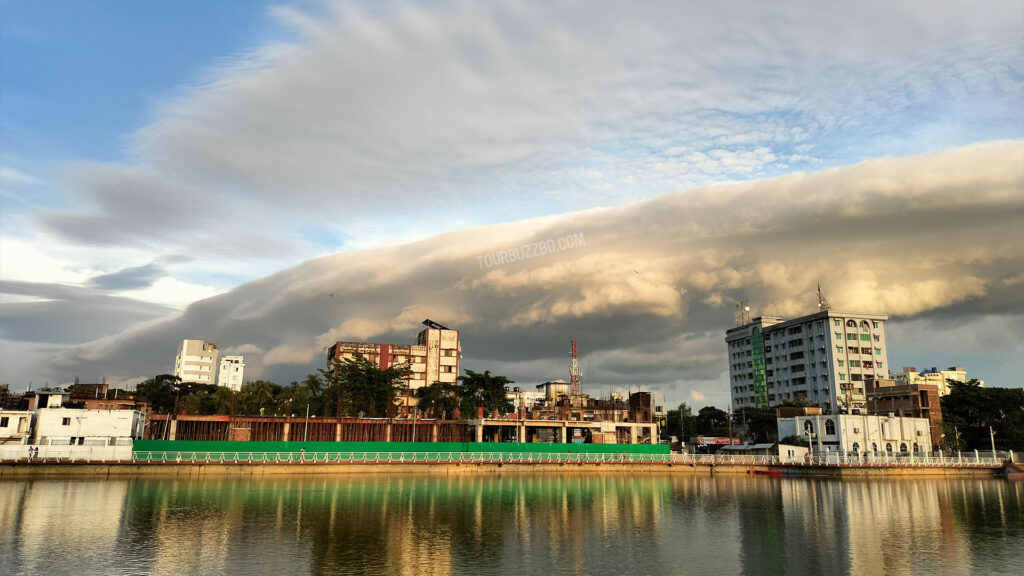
(992, 436)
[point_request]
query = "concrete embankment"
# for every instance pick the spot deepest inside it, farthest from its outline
(197, 470)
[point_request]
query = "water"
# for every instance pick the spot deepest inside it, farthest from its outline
(512, 524)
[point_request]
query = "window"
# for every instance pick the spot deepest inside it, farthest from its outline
(830, 427)
(877, 338)
(808, 427)
(874, 446)
(65, 422)
(854, 363)
(851, 349)
(856, 377)
(841, 363)
(865, 337)
(842, 376)
(878, 351)
(796, 355)
(856, 447)
(865, 351)
(903, 448)
(851, 323)
(851, 336)
(839, 349)
(839, 335)
(888, 447)
(4, 421)
(874, 325)
(917, 447)
(837, 322)
(868, 364)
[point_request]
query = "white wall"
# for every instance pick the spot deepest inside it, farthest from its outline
(95, 427)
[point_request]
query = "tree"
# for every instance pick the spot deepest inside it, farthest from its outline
(257, 396)
(160, 392)
(796, 441)
(760, 425)
(970, 409)
(438, 400)
(485, 390)
(362, 387)
(712, 422)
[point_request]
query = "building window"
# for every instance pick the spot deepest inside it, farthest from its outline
(878, 351)
(877, 338)
(837, 322)
(842, 376)
(888, 447)
(841, 363)
(903, 448)
(830, 427)
(851, 323)
(839, 335)
(808, 427)
(874, 325)
(855, 377)
(874, 446)
(839, 349)
(917, 447)
(854, 363)
(865, 337)
(65, 422)
(4, 421)
(856, 447)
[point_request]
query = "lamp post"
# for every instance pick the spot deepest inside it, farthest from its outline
(992, 436)
(305, 430)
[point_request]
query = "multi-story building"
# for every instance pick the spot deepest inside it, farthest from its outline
(824, 358)
(933, 376)
(913, 400)
(434, 358)
(196, 362)
(232, 372)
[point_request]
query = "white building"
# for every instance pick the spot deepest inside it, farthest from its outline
(824, 358)
(860, 433)
(232, 372)
(939, 378)
(15, 426)
(78, 427)
(196, 362)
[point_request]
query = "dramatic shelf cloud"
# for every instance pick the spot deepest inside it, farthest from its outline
(159, 169)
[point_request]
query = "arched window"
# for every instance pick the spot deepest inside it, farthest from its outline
(903, 448)
(888, 447)
(917, 447)
(808, 427)
(856, 446)
(874, 447)
(864, 325)
(830, 427)
(851, 323)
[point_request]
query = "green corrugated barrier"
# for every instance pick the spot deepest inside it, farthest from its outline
(395, 447)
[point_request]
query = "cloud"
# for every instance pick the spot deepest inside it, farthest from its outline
(932, 234)
(129, 278)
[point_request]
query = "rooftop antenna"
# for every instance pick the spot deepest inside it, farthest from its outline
(742, 313)
(575, 374)
(822, 302)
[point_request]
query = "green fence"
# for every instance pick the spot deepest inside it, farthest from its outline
(196, 446)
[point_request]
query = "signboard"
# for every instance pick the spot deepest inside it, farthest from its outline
(717, 440)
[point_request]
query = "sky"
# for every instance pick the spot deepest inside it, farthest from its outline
(273, 177)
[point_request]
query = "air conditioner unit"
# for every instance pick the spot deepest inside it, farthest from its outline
(919, 433)
(856, 430)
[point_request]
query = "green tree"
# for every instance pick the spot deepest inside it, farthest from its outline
(257, 396)
(712, 422)
(438, 400)
(484, 390)
(971, 409)
(160, 392)
(362, 387)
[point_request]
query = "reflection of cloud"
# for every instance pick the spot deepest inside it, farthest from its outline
(890, 235)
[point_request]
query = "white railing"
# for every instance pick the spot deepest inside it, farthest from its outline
(51, 453)
(836, 459)
(245, 457)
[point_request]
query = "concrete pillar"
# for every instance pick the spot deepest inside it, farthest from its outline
(287, 431)
(632, 434)
(479, 431)
(521, 432)
(433, 432)
(561, 434)
(174, 429)
(387, 432)
(337, 432)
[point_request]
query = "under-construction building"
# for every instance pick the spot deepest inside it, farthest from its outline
(434, 358)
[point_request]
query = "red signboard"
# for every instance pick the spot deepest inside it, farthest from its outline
(717, 440)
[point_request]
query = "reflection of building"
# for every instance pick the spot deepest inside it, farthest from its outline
(434, 357)
(824, 358)
(933, 376)
(860, 433)
(232, 372)
(196, 362)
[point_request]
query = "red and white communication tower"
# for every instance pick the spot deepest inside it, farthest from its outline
(575, 375)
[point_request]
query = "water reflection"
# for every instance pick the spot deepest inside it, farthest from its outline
(583, 524)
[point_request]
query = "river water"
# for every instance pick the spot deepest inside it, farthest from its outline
(512, 524)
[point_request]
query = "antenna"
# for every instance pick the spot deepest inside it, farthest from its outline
(575, 374)
(742, 313)
(822, 302)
